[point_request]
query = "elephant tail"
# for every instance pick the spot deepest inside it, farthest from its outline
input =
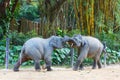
(105, 53)
(104, 46)
(21, 53)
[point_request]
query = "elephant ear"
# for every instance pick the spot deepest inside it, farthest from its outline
(66, 39)
(78, 40)
(53, 41)
(78, 36)
(83, 42)
(56, 42)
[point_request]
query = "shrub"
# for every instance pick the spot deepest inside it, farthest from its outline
(60, 55)
(112, 56)
(19, 38)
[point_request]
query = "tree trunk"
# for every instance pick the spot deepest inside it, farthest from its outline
(51, 12)
(3, 6)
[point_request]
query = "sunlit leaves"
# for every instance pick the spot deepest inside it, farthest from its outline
(59, 55)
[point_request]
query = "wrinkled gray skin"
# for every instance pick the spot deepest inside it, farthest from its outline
(87, 47)
(37, 49)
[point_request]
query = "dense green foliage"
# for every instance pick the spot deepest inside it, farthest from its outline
(29, 11)
(59, 56)
(36, 12)
(16, 42)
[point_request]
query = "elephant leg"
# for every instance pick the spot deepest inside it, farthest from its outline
(48, 64)
(81, 66)
(99, 64)
(37, 65)
(94, 64)
(17, 65)
(82, 56)
(76, 65)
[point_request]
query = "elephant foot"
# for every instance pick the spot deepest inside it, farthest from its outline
(100, 67)
(75, 68)
(15, 69)
(81, 68)
(49, 69)
(93, 67)
(37, 66)
(38, 70)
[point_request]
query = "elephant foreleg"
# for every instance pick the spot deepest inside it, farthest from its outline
(82, 56)
(48, 64)
(37, 65)
(81, 66)
(76, 65)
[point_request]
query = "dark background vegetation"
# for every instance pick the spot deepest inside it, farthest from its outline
(98, 18)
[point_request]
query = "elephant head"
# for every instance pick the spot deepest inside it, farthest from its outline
(76, 41)
(56, 42)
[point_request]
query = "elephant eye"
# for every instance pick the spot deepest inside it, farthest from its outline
(75, 39)
(55, 41)
(62, 40)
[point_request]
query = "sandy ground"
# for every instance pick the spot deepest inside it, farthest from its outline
(111, 72)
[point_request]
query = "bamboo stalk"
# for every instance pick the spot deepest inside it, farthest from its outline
(92, 17)
(76, 14)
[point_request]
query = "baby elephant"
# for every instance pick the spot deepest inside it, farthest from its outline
(37, 49)
(87, 47)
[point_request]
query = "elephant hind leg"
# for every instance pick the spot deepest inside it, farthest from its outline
(99, 64)
(98, 59)
(19, 62)
(94, 63)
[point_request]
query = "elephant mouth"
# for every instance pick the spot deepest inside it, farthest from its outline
(72, 43)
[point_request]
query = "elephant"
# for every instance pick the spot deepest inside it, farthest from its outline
(87, 46)
(39, 49)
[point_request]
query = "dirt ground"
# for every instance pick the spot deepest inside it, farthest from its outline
(111, 72)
